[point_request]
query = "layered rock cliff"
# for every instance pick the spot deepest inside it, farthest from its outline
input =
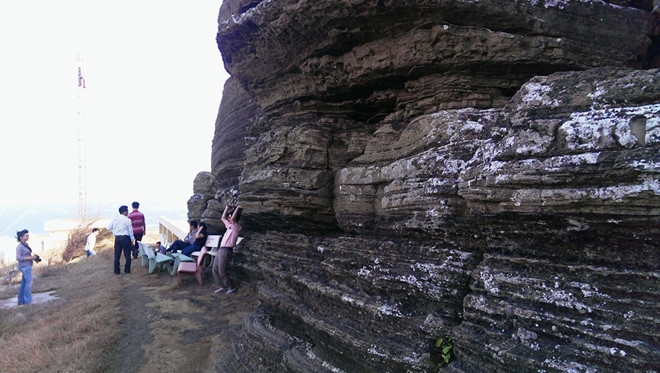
(487, 171)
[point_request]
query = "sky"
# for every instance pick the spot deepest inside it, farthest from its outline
(153, 83)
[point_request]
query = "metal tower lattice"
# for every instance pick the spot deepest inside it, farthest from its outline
(82, 147)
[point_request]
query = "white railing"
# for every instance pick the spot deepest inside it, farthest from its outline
(170, 230)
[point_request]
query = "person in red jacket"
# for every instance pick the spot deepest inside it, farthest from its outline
(139, 226)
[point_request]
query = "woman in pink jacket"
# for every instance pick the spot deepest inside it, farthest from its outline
(221, 263)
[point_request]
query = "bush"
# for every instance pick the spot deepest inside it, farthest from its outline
(75, 245)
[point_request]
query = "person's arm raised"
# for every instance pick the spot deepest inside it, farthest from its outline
(233, 216)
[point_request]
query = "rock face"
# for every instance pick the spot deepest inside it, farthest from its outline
(414, 170)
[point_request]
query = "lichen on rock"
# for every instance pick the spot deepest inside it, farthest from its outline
(412, 170)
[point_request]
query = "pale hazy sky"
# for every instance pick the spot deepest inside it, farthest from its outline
(154, 79)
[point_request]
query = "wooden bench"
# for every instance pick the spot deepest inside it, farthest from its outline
(155, 260)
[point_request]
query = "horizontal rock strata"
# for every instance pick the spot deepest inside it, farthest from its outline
(410, 171)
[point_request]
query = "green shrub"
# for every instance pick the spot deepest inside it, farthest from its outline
(446, 346)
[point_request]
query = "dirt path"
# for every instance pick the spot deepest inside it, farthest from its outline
(161, 326)
(170, 327)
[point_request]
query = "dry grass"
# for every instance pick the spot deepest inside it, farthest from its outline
(77, 239)
(75, 333)
(102, 322)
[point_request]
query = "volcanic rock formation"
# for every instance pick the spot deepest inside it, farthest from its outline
(414, 170)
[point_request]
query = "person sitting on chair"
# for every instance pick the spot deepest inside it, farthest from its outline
(179, 245)
(198, 243)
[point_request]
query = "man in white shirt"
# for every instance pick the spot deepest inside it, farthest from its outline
(91, 243)
(122, 229)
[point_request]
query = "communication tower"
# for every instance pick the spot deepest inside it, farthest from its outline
(82, 146)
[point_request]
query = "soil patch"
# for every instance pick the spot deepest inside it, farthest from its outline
(170, 326)
(145, 323)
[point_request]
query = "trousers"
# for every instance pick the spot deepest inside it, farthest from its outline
(123, 244)
(25, 291)
(138, 238)
(220, 268)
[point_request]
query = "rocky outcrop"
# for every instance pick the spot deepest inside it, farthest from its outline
(569, 202)
(236, 112)
(486, 171)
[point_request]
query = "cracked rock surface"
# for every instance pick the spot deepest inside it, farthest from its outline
(412, 170)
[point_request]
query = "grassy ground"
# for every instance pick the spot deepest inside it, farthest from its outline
(102, 322)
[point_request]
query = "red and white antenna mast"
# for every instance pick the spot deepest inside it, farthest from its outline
(82, 146)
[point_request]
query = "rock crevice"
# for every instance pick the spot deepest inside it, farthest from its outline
(418, 170)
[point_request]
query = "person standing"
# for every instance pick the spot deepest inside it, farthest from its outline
(139, 226)
(91, 242)
(220, 268)
(25, 257)
(122, 229)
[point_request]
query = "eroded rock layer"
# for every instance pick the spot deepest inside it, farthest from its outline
(416, 170)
